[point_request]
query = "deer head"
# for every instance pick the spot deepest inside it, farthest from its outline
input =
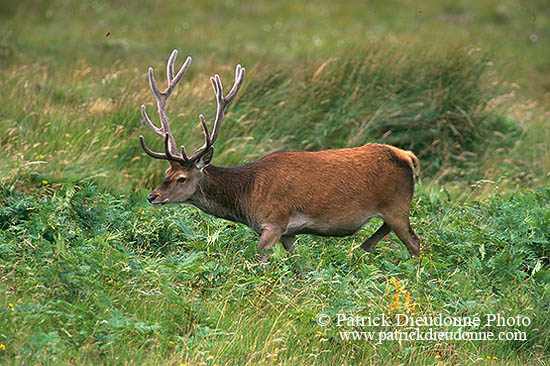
(185, 172)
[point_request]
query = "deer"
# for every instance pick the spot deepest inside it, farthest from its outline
(285, 193)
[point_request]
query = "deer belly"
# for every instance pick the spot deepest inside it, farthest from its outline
(302, 224)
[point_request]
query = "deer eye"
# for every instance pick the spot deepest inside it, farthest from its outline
(181, 180)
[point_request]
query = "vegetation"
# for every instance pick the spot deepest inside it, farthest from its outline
(93, 276)
(90, 274)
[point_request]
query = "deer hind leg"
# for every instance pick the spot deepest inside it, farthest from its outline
(288, 242)
(376, 237)
(402, 228)
(269, 237)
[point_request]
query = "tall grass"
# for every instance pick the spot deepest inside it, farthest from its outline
(433, 103)
(334, 75)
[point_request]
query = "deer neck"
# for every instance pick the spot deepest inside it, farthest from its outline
(223, 192)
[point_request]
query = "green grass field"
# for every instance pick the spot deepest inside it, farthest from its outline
(91, 274)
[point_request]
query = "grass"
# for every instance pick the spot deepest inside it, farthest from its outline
(436, 103)
(82, 90)
(95, 277)
(92, 275)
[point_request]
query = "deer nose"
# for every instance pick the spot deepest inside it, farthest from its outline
(151, 197)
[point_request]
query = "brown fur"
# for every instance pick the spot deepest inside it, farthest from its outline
(328, 193)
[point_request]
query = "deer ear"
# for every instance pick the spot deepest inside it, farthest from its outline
(205, 159)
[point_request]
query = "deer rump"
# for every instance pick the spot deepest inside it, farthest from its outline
(327, 193)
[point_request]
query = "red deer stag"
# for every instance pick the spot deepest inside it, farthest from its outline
(326, 193)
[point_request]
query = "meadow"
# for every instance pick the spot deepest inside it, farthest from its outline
(92, 274)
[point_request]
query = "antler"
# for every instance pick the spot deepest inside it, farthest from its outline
(161, 97)
(223, 102)
(164, 131)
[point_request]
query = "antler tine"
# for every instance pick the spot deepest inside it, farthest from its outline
(150, 124)
(207, 140)
(167, 149)
(224, 101)
(218, 91)
(167, 155)
(218, 88)
(150, 152)
(170, 156)
(153, 85)
(184, 155)
(182, 71)
(172, 81)
(239, 76)
(170, 66)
